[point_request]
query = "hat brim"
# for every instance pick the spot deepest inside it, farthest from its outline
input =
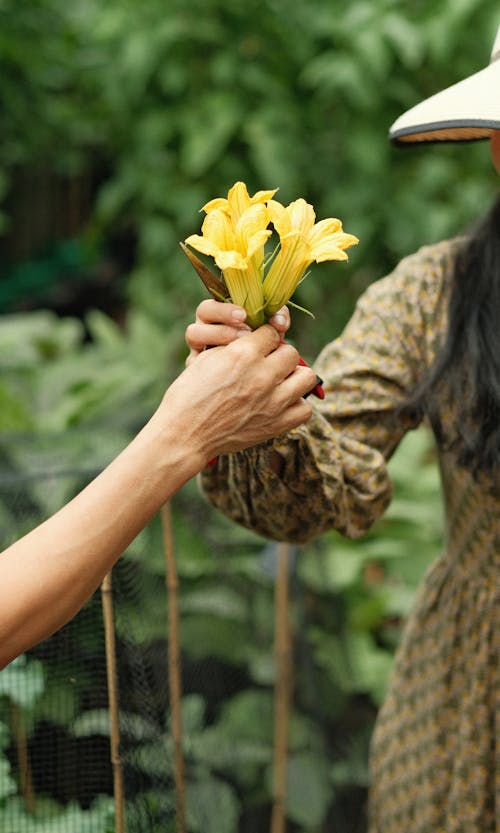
(465, 112)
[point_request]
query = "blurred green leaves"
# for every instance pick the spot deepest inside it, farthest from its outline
(169, 105)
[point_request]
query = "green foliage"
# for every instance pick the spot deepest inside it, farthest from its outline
(22, 685)
(23, 682)
(98, 819)
(172, 104)
(8, 786)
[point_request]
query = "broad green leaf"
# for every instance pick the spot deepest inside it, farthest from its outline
(97, 722)
(308, 790)
(193, 713)
(23, 681)
(212, 806)
(14, 413)
(219, 601)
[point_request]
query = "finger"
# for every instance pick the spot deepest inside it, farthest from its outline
(282, 361)
(198, 336)
(216, 312)
(301, 381)
(296, 414)
(281, 320)
(264, 340)
(290, 417)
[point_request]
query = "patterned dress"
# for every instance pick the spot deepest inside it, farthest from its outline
(435, 758)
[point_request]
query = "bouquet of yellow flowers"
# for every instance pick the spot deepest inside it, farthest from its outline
(235, 232)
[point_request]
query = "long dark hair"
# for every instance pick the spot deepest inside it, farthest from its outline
(467, 369)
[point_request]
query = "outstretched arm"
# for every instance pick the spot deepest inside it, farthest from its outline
(230, 398)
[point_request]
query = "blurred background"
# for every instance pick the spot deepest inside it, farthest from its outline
(118, 121)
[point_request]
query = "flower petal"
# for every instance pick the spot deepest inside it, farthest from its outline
(217, 228)
(347, 240)
(323, 229)
(326, 251)
(279, 217)
(332, 247)
(302, 216)
(295, 248)
(263, 196)
(219, 203)
(238, 200)
(201, 244)
(257, 241)
(231, 260)
(252, 220)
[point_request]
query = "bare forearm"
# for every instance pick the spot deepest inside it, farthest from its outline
(47, 576)
(231, 398)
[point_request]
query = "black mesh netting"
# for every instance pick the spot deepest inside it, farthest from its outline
(59, 769)
(56, 772)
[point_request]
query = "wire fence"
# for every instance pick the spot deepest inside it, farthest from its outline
(96, 731)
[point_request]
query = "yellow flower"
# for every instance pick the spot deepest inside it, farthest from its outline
(235, 231)
(238, 201)
(235, 238)
(302, 242)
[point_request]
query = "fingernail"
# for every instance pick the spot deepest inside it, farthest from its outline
(238, 314)
(280, 320)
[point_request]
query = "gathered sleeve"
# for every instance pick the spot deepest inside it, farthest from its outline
(334, 471)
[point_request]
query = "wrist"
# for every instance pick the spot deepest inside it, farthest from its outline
(175, 453)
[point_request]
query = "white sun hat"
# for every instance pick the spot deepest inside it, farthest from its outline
(463, 112)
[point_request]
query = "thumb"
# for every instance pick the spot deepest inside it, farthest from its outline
(265, 339)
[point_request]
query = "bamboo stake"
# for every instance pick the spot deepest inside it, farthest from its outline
(174, 665)
(109, 635)
(23, 761)
(282, 689)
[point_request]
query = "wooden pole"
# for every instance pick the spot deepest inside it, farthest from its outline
(109, 634)
(282, 689)
(174, 665)
(23, 761)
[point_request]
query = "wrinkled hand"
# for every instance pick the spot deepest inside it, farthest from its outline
(239, 395)
(219, 324)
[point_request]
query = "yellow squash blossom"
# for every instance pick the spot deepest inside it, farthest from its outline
(236, 242)
(238, 201)
(235, 231)
(302, 242)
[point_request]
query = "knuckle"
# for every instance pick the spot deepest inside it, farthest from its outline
(267, 331)
(292, 353)
(311, 376)
(210, 311)
(300, 414)
(274, 334)
(226, 334)
(307, 410)
(246, 348)
(201, 309)
(241, 356)
(190, 334)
